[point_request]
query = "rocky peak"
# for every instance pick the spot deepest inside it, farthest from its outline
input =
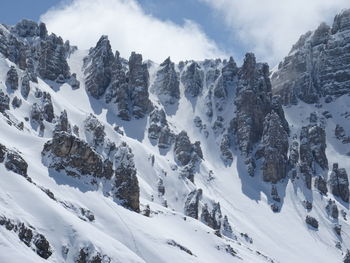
(341, 22)
(166, 84)
(27, 28)
(98, 69)
(138, 86)
(192, 78)
(317, 66)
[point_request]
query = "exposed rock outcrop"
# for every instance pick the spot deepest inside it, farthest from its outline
(192, 79)
(94, 131)
(187, 154)
(159, 129)
(67, 153)
(4, 102)
(126, 186)
(317, 65)
(98, 68)
(138, 86)
(274, 149)
(12, 78)
(166, 84)
(29, 236)
(339, 183)
(192, 203)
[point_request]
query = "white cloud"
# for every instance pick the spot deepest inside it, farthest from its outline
(129, 28)
(270, 27)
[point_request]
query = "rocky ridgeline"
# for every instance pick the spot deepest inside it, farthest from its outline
(76, 158)
(106, 75)
(210, 214)
(29, 236)
(318, 64)
(166, 84)
(29, 46)
(159, 130)
(313, 150)
(187, 155)
(259, 120)
(13, 161)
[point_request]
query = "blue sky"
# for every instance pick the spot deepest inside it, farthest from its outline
(174, 10)
(183, 29)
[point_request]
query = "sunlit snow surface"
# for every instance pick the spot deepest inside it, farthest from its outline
(126, 236)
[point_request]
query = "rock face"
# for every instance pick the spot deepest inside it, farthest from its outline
(225, 84)
(62, 123)
(4, 101)
(192, 202)
(65, 152)
(126, 183)
(12, 78)
(166, 84)
(94, 131)
(138, 86)
(25, 86)
(13, 161)
(192, 79)
(312, 149)
(106, 76)
(68, 153)
(98, 68)
(339, 183)
(274, 149)
(29, 236)
(317, 65)
(253, 103)
(52, 60)
(118, 91)
(311, 221)
(187, 154)
(159, 129)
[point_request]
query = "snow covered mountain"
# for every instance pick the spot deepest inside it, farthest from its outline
(107, 159)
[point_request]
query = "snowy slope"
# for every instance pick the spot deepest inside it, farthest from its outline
(167, 235)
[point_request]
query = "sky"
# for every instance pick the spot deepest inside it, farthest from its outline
(181, 29)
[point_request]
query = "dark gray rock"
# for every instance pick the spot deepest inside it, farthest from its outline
(126, 186)
(25, 86)
(98, 68)
(166, 84)
(4, 102)
(159, 129)
(47, 107)
(12, 78)
(318, 64)
(118, 92)
(62, 123)
(274, 149)
(311, 221)
(339, 183)
(52, 60)
(15, 163)
(68, 153)
(187, 155)
(253, 103)
(225, 149)
(192, 202)
(347, 257)
(138, 86)
(16, 102)
(332, 209)
(321, 185)
(192, 79)
(94, 131)
(73, 82)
